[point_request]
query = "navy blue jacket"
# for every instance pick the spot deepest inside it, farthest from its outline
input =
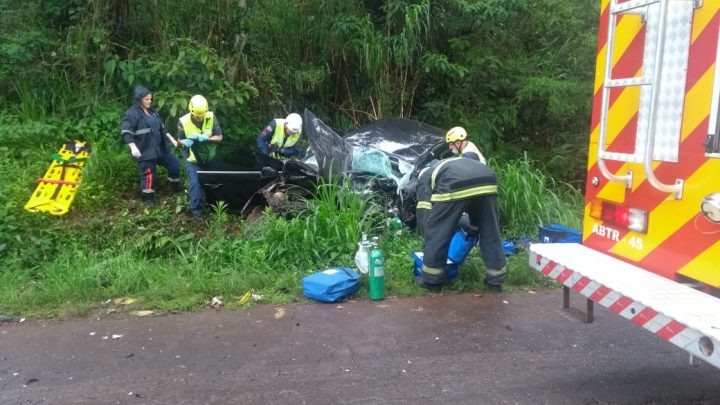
(136, 127)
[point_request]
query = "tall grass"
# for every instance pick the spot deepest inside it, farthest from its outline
(327, 230)
(110, 248)
(528, 198)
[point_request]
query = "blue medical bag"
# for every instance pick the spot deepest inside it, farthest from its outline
(331, 285)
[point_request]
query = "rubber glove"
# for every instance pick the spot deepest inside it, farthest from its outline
(188, 143)
(203, 137)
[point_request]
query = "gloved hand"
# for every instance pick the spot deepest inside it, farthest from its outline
(202, 138)
(135, 152)
(188, 143)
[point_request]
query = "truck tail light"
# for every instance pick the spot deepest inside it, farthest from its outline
(633, 219)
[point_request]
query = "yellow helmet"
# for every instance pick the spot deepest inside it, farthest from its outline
(198, 106)
(455, 134)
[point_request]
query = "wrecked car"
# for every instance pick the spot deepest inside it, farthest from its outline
(384, 156)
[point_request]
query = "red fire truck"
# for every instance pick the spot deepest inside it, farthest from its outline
(650, 248)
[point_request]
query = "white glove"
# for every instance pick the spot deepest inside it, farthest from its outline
(134, 151)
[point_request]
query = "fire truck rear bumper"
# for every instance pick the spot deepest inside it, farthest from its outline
(688, 318)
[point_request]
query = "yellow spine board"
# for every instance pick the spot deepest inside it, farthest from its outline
(56, 189)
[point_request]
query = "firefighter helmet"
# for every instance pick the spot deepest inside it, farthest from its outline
(198, 106)
(455, 134)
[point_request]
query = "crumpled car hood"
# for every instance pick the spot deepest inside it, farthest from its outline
(405, 139)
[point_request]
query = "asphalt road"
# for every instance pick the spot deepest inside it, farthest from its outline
(517, 348)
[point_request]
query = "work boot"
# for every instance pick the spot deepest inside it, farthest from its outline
(149, 199)
(176, 186)
(496, 288)
(432, 287)
(197, 217)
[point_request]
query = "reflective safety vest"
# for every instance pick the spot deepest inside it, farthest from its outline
(471, 148)
(280, 139)
(192, 130)
(461, 178)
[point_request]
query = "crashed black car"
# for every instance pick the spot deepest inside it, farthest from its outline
(384, 156)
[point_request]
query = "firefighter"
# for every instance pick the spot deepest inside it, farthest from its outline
(144, 133)
(456, 138)
(280, 137)
(198, 125)
(423, 194)
(459, 185)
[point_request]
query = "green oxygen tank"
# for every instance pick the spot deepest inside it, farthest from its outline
(376, 272)
(394, 223)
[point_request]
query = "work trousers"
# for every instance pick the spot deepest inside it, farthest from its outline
(442, 223)
(148, 170)
(195, 191)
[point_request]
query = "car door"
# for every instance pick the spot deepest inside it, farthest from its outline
(233, 173)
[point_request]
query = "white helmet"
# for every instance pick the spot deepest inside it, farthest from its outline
(293, 123)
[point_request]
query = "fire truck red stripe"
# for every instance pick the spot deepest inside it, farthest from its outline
(670, 330)
(548, 267)
(687, 244)
(627, 66)
(564, 275)
(600, 293)
(621, 303)
(580, 284)
(700, 57)
(625, 140)
(644, 316)
(602, 28)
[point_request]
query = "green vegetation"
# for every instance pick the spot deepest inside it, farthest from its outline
(516, 73)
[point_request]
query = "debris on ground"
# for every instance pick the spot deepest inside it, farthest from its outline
(9, 318)
(124, 300)
(144, 313)
(216, 302)
(246, 297)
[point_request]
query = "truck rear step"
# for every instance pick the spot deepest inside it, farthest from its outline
(688, 318)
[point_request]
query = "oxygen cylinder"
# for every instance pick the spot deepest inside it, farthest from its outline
(394, 223)
(376, 273)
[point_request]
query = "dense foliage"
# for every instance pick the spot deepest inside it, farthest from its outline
(516, 73)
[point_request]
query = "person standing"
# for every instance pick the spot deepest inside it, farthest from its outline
(459, 185)
(456, 138)
(198, 125)
(144, 133)
(280, 137)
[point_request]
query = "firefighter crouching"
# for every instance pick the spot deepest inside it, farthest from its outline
(455, 186)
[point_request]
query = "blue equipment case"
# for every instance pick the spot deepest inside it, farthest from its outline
(555, 233)
(331, 285)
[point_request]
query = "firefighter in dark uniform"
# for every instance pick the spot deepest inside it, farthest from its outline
(423, 194)
(459, 185)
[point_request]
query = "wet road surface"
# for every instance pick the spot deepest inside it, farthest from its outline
(510, 348)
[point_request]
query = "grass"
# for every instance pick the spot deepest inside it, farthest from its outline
(111, 246)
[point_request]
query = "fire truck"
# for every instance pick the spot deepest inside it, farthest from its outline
(650, 249)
